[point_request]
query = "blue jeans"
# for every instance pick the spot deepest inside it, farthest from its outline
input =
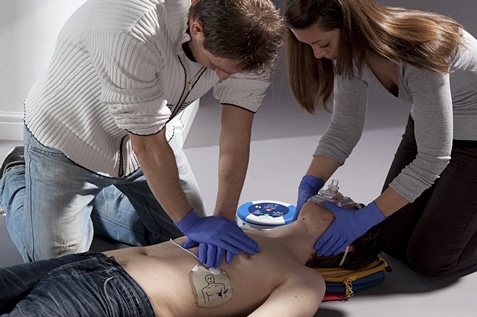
(87, 284)
(53, 204)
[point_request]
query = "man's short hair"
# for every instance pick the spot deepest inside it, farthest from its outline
(248, 31)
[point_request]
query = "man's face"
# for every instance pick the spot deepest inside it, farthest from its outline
(223, 67)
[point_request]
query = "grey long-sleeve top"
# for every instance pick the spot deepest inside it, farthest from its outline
(444, 107)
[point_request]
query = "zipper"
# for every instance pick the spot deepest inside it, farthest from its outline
(121, 159)
(189, 85)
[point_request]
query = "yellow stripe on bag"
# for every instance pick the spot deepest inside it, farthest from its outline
(340, 275)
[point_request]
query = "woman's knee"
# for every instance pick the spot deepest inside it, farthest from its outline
(430, 263)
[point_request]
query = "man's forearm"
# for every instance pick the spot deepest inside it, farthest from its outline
(232, 172)
(158, 163)
(235, 137)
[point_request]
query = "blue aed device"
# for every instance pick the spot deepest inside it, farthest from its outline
(265, 214)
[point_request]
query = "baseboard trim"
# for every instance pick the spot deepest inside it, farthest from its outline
(11, 126)
(11, 123)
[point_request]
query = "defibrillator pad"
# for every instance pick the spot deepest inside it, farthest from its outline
(211, 286)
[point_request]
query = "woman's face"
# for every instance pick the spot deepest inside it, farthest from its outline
(324, 43)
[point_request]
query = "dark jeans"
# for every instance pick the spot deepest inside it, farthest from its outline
(86, 284)
(437, 233)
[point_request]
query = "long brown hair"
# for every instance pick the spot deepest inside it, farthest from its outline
(423, 39)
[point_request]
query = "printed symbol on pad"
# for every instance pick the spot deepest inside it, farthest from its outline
(213, 290)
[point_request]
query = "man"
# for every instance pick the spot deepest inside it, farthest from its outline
(168, 280)
(96, 124)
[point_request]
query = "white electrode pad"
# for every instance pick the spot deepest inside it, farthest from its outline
(211, 286)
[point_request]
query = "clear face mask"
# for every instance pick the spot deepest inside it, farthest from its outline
(333, 194)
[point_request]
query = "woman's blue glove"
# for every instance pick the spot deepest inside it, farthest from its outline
(348, 225)
(217, 237)
(309, 186)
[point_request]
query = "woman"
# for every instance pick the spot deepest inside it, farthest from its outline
(337, 50)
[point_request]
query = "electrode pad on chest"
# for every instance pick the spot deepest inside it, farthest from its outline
(211, 286)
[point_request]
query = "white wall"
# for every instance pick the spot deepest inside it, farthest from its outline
(28, 31)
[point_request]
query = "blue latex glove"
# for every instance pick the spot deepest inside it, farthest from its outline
(211, 255)
(309, 186)
(217, 237)
(348, 225)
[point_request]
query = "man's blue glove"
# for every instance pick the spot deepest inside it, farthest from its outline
(309, 186)
(217, 237)
(348, 225)
(209, 254)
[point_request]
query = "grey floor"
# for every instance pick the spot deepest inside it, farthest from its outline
(283, 141)
(284, 138)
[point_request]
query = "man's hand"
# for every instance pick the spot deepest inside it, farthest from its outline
(348, 225)
(217, 237)
(309, 186)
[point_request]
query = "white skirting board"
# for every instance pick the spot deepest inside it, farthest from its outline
(11, 123)
(11, 126)
(183, 121)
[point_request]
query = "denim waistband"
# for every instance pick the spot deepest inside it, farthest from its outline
(131, 290)
(124, 294)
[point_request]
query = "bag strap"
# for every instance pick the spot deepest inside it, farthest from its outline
(337, 274)
(347, 277)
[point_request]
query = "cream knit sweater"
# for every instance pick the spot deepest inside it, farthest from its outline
(119, 66)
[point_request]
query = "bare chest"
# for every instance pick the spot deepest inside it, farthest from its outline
(168, 283)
